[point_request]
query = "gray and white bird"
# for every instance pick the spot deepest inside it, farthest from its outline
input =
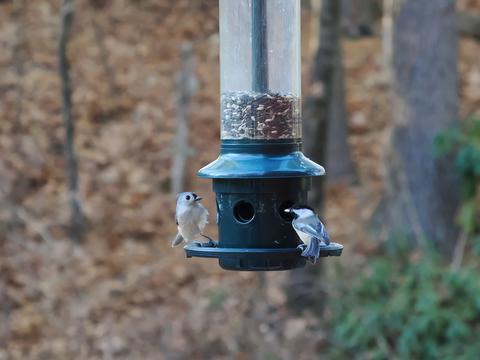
(191, 217)
(310, 230)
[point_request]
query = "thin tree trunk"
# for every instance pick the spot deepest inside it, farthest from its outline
(186, 89)
(358, 17)
(421, 190)
(387, 37)
(339, 163)
(302, 289)
(77, 221)
(318, 103)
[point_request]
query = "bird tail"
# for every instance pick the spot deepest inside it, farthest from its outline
(177, 241)
(326, 236)
(312, 251)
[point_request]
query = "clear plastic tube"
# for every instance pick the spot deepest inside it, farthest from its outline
(260, 69)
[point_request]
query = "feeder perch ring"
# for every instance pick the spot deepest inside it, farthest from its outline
(258, 258)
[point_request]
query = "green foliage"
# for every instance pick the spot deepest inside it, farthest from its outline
(217, 298)
(463, 143)
(408, 306)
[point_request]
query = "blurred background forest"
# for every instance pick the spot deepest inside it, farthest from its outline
(86, 267)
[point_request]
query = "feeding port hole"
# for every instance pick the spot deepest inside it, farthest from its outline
(243, 212)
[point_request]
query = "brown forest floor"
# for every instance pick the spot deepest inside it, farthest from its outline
(125, 294)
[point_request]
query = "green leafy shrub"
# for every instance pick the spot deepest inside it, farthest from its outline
(408, 307)
(463, 144)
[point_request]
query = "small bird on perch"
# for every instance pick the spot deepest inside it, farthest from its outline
(310, 230)
(191, 217)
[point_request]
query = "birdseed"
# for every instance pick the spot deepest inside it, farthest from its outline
(253, 115)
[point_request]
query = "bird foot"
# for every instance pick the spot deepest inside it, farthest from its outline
(210, 243)
(302, 247)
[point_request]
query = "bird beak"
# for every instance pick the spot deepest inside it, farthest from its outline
(198, 198)
(288, 210)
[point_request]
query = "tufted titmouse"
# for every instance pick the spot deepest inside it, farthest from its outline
(191, 217)
(310, 230)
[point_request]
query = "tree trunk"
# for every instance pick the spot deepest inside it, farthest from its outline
(318, 104)
(421, 190)
(339, 163)
(303, 288)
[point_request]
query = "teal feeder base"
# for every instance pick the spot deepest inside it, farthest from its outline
(254, 182)
(251, 216)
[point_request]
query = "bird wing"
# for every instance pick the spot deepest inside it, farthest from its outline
(312, 226)
(203, 217)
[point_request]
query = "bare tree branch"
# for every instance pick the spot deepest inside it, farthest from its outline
(77, 220)
(459, 251)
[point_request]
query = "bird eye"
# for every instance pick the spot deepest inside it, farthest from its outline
(188, 197)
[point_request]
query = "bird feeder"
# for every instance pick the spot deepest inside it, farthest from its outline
(261, 170)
